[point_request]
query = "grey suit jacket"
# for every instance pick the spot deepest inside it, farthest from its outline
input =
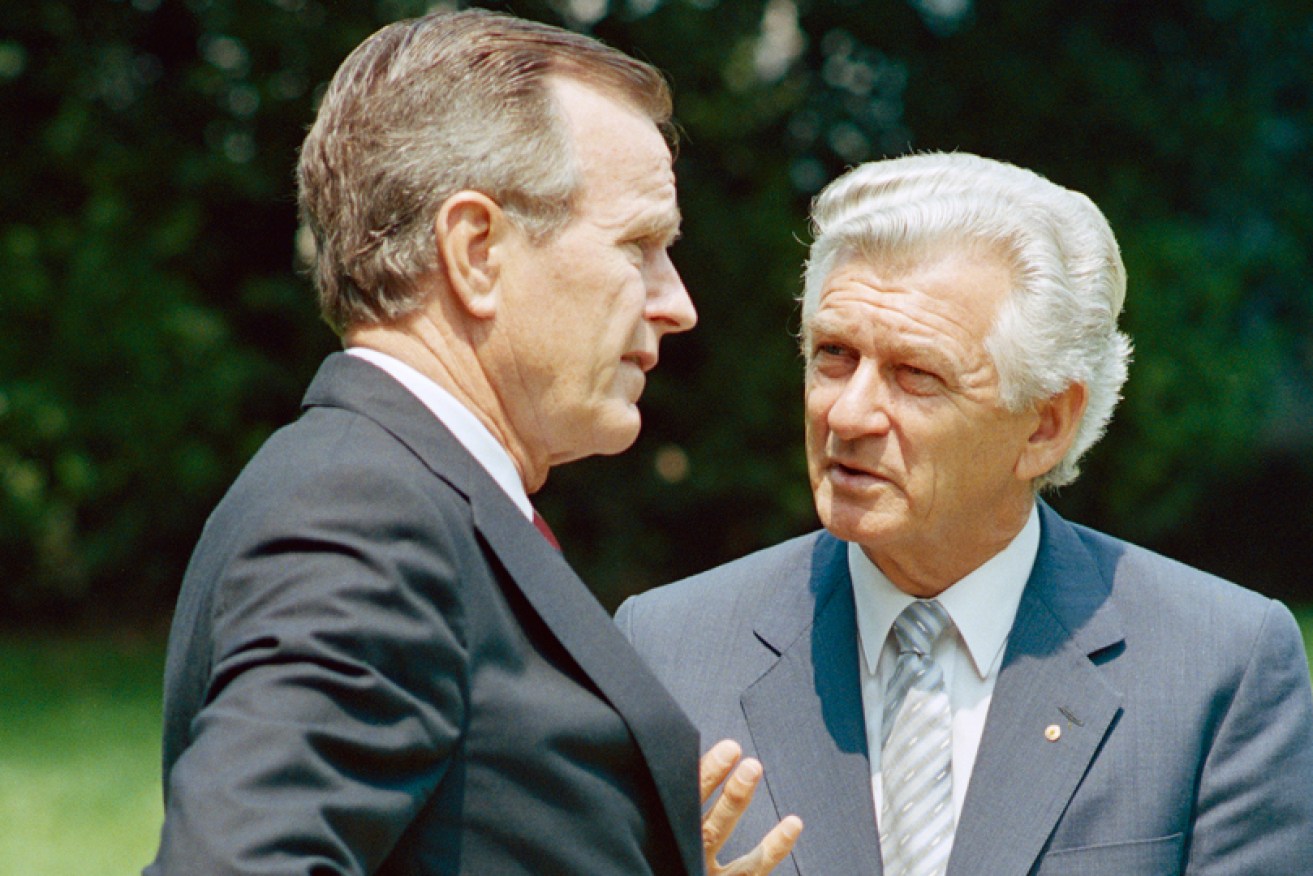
(378, 665)
(1184, 704)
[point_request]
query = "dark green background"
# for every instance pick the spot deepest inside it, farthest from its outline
(156, 326)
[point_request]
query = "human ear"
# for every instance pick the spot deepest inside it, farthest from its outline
(468, 230)
(1057, 420)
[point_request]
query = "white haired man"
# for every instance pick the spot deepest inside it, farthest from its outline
(378, 663)
(950, 677)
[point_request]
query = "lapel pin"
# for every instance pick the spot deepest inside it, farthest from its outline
(1053, 733)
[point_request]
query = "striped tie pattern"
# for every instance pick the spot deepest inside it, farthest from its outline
(916, 822)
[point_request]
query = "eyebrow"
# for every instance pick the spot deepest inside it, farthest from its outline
(930, 355)
(819, 325)
(820, 329)
(664, 223)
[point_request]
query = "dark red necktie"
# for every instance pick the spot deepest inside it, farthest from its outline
(546, 530)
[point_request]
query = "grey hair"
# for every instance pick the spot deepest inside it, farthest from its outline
(432, 106)
(1059, 325)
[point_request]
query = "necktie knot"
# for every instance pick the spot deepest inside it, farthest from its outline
(919, 625)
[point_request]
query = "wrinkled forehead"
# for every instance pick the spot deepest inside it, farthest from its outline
(610, 134)
(967, 273)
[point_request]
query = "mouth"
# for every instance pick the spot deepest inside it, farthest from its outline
(644, 361)
(849, 474)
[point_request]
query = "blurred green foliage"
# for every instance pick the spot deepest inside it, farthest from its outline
(156, 326)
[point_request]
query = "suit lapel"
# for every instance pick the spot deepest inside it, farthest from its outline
(805, 715)
(669, 743)
(1023, 779)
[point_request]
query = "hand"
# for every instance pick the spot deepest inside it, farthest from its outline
(717, 768)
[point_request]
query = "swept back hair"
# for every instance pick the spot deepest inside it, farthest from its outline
(1059, 324)
(432, 106)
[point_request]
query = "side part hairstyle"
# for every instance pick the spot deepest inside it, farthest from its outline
(1059, 325)
(432, 106)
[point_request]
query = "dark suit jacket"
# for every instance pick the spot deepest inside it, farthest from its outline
(378, 665)
(1184, 705)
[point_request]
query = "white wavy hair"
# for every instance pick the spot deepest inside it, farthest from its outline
(1059, 325)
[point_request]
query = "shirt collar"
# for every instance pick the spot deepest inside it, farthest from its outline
(983, 605)
(458, 419)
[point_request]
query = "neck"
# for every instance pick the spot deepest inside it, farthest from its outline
(447, 355)
(935, 563)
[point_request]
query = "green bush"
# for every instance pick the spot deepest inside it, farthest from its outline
(156, 328)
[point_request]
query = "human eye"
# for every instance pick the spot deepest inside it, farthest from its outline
(649, 242)
(639, 250)
(917, 380)
(831, 357)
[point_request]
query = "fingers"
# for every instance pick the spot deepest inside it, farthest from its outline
(768, 854)
(777, 844)
(723, 816)
(718, 768)
(716, 765)
(773, 849)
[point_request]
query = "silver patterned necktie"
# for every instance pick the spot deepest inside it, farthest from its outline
(916, 821)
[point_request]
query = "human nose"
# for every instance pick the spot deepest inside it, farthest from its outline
(668, 302)
(861, 407)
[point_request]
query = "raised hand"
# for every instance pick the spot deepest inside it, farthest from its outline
(721, 768)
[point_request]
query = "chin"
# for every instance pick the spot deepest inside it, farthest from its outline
(618, 434)
(854, 522)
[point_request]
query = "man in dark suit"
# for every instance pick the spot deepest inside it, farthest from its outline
(951, 677)
(379, 663)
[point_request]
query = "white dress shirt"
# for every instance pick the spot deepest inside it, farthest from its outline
(471, 433)
(982, 607)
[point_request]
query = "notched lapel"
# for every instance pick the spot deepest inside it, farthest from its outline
(1050, 712)
(806, 721)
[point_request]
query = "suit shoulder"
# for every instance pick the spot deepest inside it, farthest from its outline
(1173, 591)
(333, 457)
(744, 578)
(720, 602)
(324, 487)
(699, 634)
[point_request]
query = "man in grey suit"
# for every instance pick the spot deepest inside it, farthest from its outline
(378, 663)
(951, 678)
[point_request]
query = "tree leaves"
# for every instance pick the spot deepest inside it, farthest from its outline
(157, 327)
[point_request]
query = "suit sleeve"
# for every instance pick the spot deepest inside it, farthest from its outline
(1255, 805)
(337, 689)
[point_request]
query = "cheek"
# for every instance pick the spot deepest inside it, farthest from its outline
(813, 432)
(814, 435)
(619, 320)
(812, 416)
(978, 458)
(816, 403)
